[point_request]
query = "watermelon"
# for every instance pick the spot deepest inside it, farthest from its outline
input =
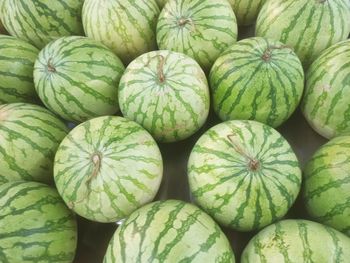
(126, 26)
(167, 93)
(107, 167)
(307, 26)
(29, 138)
(41, 21)
(244, 174)
(327, 184)
(16, 70)
(246, 10)
(169, 231)
(201, 29)
(296, 241)
(73, 73)
(326, 103)
(35, 224)
(257, 79)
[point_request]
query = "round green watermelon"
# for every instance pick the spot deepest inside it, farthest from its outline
(326, 104)
(35, 225)
(244, 174)
(77, 78)
(41, 21)
(246, 11)
(127, 27)
(169, 231)
(29, 138)
(16, 70)
(327, 184)
(201, 29)
(297, 241)
(307, 26)
(167, 93)
(107, 167)
(257, 79)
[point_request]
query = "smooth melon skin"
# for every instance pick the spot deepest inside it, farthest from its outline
(42, 21)
(126, 26)
(169, 231)
(17, 58)
(309, 26)
(108, 167)
(35, 225)
(246, 11)
(29, 138)
(297, 241)
(326, 104)
(327, 184)
(257, 79)
(244, 174)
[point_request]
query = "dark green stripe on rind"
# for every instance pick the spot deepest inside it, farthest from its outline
(35, 225)
(169, 231)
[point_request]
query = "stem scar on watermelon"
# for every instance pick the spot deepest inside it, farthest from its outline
(268, 52)
(161, 69)
(50, 67)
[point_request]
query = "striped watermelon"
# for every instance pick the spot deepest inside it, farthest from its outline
(74, 73)
(308, 26)
(35, 225)
(167, 93)
(41, 21)
(244, 174)
(246, 10)
(169, 231)
(126, 26)
(297, 241)
(326, 104)
(16, 70)
(257, 79)
(327, 184)
(107, 167)
(29, 138)
(201, 29)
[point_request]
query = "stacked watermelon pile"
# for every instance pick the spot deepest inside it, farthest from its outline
(103, 103)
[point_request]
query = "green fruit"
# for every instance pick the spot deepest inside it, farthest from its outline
(326, 103)
(246, 11)
(297, 241)
(29, 138)
(201, 29)
(309, 26)
(126, 26)
(16, 70)
(167, 93)
(41, 21)
(327, 184)
(107, 167)
(78, 78)
(169, 231)
(257, 79)
(244, 174)
(35, 225)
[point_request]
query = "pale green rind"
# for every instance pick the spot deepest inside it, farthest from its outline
(326, 103)
(77, 78)
(257, 79)
(29, 138)
(41, 21)
(169, 231)
(209, 28)
(307, 26)
(16, 70)
(125, 26)
(297, 241)
(224, 185)
(327, 184)
(246, 11)
(126, 175)
(171, 110)
(35, 225)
